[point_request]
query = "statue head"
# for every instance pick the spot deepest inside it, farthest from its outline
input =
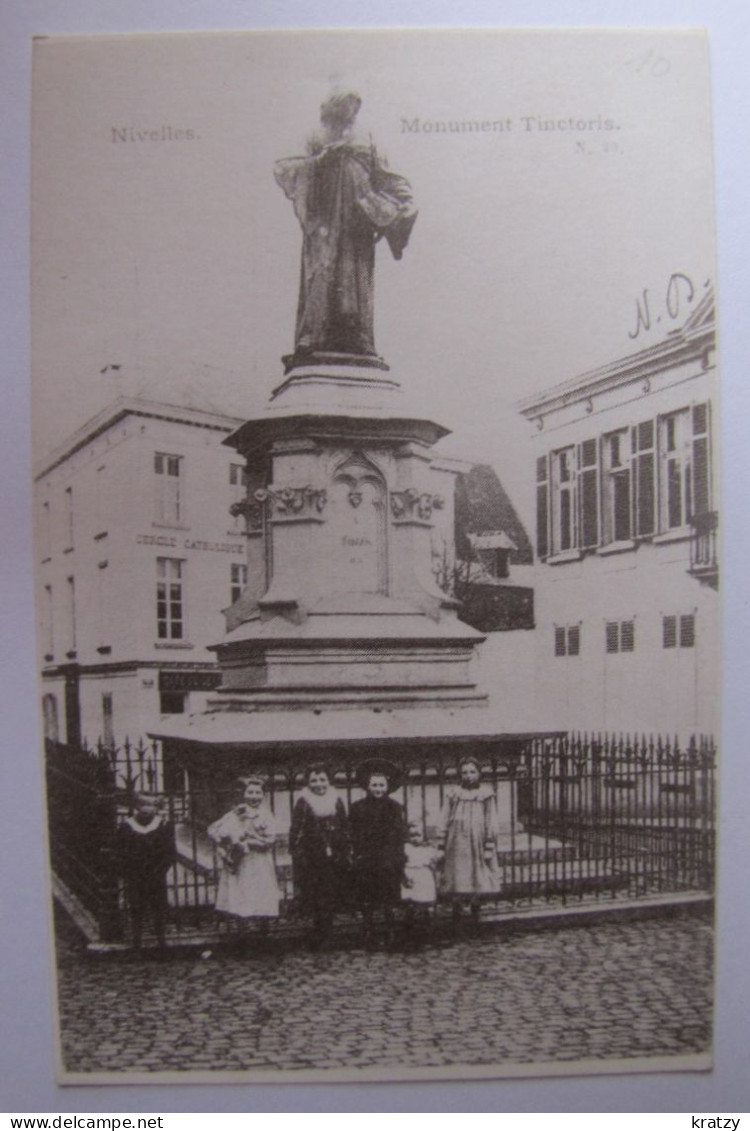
(338, 112)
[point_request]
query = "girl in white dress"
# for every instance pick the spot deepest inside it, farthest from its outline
(245, 838)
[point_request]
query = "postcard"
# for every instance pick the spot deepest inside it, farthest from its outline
(376, 551)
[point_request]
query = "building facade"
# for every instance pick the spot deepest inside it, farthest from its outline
(627, 576)
(136, 555)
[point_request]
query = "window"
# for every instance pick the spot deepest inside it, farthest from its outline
(238, 580)
(620, 636)
(46, 532)
(675, 494)
(563, 501)
(68, 518)
(567, 640)
(568, 499)
(51, 722)
(172, 702)
(238, 485)
(101, 517)
(169, 599)
(108, 733)
(237, 476)
(678, 631)
(498, 563)
(643, 438)
(102, 617)
(169, 503)
(49, 624)
(616, 500)
(631, 483)
(70, 626)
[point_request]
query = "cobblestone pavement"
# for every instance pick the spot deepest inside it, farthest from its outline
(614, 990)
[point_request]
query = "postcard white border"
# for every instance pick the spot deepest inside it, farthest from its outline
(26, 1057)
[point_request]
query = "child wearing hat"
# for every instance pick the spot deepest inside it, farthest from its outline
(245, 837)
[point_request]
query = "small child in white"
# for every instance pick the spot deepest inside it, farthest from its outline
(419, 887)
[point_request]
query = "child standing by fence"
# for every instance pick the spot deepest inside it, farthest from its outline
(245, 837)
(419, 886)
(469, 838)
(145, 843)
(377, 830)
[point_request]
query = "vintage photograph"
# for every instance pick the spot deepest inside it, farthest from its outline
(376, 552)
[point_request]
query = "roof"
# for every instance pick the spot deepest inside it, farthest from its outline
(492, 540)
(132, 406)
(688, 342)
(484, 508)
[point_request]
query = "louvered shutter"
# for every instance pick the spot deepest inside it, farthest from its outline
(701, 464)
(669, 632)
(612, 636)
(687, 631)
(644, 473)
(588, 493)
(627, 636)
(542, 507)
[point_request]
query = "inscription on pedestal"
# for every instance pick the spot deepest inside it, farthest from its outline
(357, 531)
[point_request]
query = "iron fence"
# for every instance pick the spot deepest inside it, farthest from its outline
(582, 817)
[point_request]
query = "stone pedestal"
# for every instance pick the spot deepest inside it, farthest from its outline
(347, 511)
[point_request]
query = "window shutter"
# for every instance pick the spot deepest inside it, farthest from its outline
(559, 641)
(669, 632)
(701, 465)
(627, 636)
(542, 507)
(574, 640)
(588, 493)
(612, 636)
(644, 468)
(687, 631)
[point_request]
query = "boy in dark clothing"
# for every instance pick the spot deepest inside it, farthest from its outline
(146, 852)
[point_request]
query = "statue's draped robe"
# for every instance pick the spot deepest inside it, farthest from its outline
(345, 200)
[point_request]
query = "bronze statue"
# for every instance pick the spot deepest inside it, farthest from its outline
(345, 200)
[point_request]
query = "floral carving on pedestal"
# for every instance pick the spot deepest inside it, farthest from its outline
(414, 504)
(252, 511)
(283, 502)
(293, 502)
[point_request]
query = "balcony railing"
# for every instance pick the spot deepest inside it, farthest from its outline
(704, 561)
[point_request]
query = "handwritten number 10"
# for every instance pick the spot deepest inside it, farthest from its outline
(654, 65)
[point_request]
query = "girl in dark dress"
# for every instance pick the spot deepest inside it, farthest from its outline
(378, 834)
(319, 845)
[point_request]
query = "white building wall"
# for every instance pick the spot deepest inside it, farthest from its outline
(653, 689)
(112, 557)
